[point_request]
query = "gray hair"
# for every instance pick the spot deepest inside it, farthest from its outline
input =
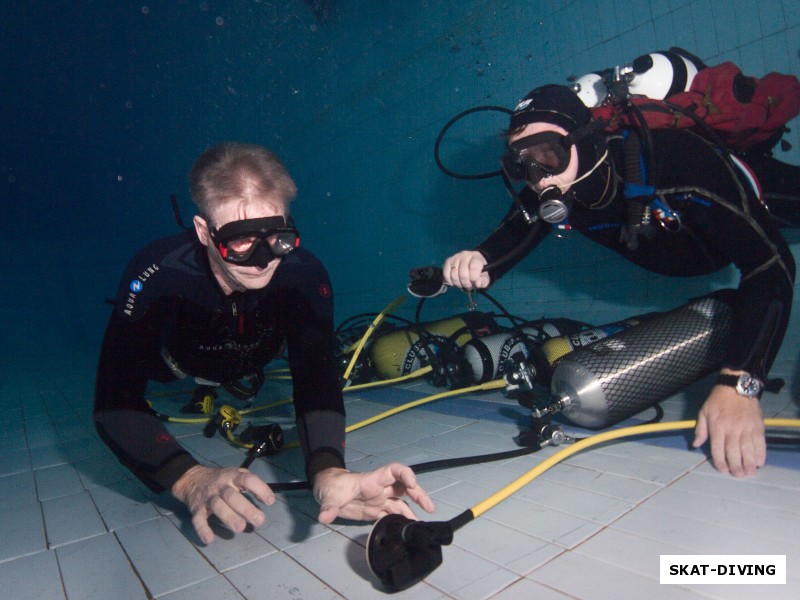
(235, 170)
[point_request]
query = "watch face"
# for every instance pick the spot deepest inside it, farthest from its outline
(749, 386)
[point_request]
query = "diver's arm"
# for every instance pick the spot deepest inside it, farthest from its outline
(763, 300)
(319, 406)
(122, 416)
(511, 241)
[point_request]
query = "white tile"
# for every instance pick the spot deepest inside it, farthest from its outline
(13, 462)
(217, 588)
(278, 576)
(17, 490)
(21, 531)
(504, 546)
(730, 511)
(164, 559)
(71, 518)
(702, 537)
(526, 588)
(583, 577)
(123, 503)
(48, 456)
(465, 575)
(584, 504)
(53, 482)
(550, 525)
(104, 470)
(97, 569)
(287, 526)
(33, 577)
(617, 486)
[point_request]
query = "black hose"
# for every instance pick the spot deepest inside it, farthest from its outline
(452, 122)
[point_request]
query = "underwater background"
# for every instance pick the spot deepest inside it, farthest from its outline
(106, 104)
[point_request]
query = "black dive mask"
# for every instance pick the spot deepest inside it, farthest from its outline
(537, 156)
(255, 242)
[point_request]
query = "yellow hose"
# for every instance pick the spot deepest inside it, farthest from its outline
(377, 321)
(413, 375)
(491, 385)
(599, 438)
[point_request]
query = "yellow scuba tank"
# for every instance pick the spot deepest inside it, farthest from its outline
(404, 350)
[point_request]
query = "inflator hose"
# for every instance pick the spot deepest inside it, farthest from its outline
(583, 444)
(401, 551)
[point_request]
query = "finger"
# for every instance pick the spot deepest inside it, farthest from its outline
(225, 513)
(700, 431)
(760, 449)
(733, 455)
(252, 483)
(447, 270)
(201, 526)
(748, 452)
(475, 267)
(719, 451)
(396, 506)
(328, 513)
(243, 507)
(418, 495)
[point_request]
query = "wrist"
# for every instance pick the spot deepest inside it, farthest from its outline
(744, 383)
(180, 488)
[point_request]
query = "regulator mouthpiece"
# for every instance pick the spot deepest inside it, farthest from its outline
(402, 552)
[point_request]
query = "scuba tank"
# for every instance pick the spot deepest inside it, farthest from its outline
(490, 357)
(621, 375)
(407, 349)
(557, 347)
(657, 75)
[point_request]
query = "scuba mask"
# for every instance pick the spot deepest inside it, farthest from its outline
(534, 157)
(255, 242)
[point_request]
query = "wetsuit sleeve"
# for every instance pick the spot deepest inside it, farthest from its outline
(764, 297)
(319, 406)
(122, 416)
(512, 240)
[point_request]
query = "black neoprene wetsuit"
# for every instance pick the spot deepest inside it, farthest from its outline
(719, 221)
(170, 303)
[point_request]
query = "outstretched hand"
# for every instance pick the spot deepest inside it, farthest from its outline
(735, 425)
(210, 491)
(368, 496)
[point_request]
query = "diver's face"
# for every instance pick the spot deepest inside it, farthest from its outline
(232, 277)
(564, 179)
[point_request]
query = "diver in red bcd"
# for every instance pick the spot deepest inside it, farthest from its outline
(673, 200)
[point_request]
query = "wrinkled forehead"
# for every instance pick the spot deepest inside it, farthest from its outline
(533, 129)
(237, 208)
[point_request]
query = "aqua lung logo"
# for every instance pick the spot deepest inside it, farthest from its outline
(136, 286)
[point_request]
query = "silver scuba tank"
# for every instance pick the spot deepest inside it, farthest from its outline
(621, 375)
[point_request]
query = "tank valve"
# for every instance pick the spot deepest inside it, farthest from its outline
(548, 407)
(519, 377)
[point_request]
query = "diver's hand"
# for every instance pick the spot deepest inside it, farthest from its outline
(465, 270)
(218, 491)
(368, 496)
(735, 425)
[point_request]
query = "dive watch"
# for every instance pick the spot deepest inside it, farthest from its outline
(745, 385)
